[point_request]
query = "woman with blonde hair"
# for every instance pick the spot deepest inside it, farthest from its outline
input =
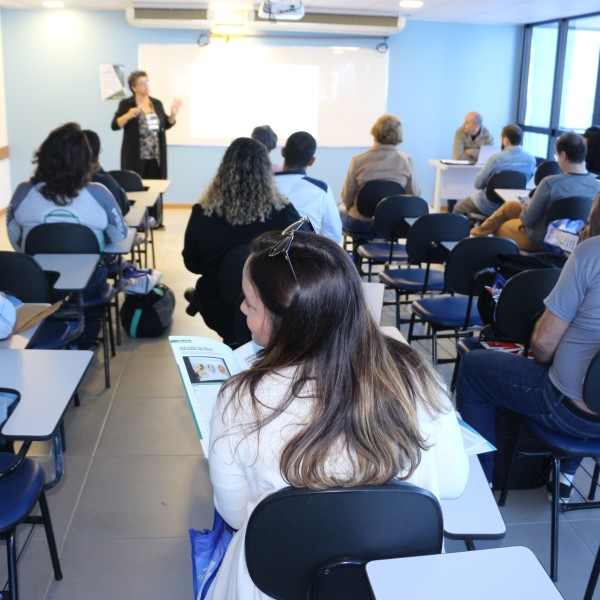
(240, 203)
(330, 402)
(381, 161)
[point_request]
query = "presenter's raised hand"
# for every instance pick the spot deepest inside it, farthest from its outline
(177, 102)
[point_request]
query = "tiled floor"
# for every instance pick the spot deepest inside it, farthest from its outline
(136, 479)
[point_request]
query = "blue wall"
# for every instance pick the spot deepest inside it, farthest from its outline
(438, 72)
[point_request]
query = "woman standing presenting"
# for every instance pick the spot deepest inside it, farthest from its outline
(144, 122)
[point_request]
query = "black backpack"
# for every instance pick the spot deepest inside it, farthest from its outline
(148, 315)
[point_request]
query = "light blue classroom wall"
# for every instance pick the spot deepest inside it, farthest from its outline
(438, 72)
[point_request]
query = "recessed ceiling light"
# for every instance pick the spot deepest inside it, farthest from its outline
(53, 4)
(411, 3)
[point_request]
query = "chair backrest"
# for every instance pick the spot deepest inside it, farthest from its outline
(230, 287)
(431, 228)
(23, 278)
(576, 207)
(304, 543)
(504, 180)
(470, 265)
(521, 300)
(388, 221)
(373, 192)
(130, 181)
(548, 167)
(61, 238)
(591, 384)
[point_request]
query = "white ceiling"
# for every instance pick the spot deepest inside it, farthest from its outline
(498, 12)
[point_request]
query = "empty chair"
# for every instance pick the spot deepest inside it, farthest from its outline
(389, 224)
(23, 278)
(423, 251)
(73, 238)
(315, 544)
(130, 181)
(504, 180)
(21, 488)
(470, 266)
(559, 446)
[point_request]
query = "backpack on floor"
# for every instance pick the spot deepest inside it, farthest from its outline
(148, 315)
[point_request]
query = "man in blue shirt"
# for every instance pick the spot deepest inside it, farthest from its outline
(511, 158)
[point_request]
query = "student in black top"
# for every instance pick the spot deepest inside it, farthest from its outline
(240, 203)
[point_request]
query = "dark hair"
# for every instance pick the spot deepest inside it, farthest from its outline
(265, 135)
(64, 162)
(299, 149)
(243, 190)
(573, 145)
(592, 159)
(514, 134)
(135, 75)
(94, 141)
(364, 387)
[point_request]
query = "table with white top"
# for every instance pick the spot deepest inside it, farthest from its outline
(452, 181)
(45, 380)
(74, 270)
(152, 196)
(137, 218)
(20, 341)
(499, 574)
(474, 515)
(509, 194)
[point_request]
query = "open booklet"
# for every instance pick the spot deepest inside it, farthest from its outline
(204, 365)
(474, 442)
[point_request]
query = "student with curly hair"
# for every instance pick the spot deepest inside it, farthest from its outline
(330, 402)
(240, 203)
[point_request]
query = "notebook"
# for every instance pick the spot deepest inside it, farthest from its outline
(485, 152)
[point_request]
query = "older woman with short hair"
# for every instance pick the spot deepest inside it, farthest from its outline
(381, 161)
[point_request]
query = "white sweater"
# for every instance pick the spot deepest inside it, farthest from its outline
(244, 469)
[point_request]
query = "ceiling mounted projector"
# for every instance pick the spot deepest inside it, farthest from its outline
(281, 11)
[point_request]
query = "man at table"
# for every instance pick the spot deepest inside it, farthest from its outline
(310, 197)
(548, 389)
(526, 223)
(469, 138)
(511, 158)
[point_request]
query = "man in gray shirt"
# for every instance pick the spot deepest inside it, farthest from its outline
(469, 138)
(549, 388)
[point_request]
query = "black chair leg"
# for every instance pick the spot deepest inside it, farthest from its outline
(106, 353)
(511, 466)
(594, 483)
(11, 552)
(591, 586)
(555, 517)
(50, 537)
(455, 373)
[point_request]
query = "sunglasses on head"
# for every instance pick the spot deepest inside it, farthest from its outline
(287, 237)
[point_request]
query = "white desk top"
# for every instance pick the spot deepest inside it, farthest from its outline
(135, 217)
(46, 380)
(474, 514)
(158, 186)
(497, 574)
(393, 332)
(20, 341)
(124, 246)
(145, 199)
(75, 270)
(444, 166)
(512, 194)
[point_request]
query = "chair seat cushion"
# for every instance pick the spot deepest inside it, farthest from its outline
(380, 252)
(412, 280)
(567, 444)
(19, 491)
(357, 235)
(52, 335)
(446, 312)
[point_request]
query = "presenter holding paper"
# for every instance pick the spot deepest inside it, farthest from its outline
(144, 122)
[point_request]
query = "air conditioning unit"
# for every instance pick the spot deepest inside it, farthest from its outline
(326, 23)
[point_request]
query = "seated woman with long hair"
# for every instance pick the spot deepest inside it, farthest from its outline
(330, 402)
(240, 203)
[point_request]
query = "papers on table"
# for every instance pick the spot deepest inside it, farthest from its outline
(450, 161)
(204, 365)
(474, 443)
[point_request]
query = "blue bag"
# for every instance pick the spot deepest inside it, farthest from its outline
(208, 550)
